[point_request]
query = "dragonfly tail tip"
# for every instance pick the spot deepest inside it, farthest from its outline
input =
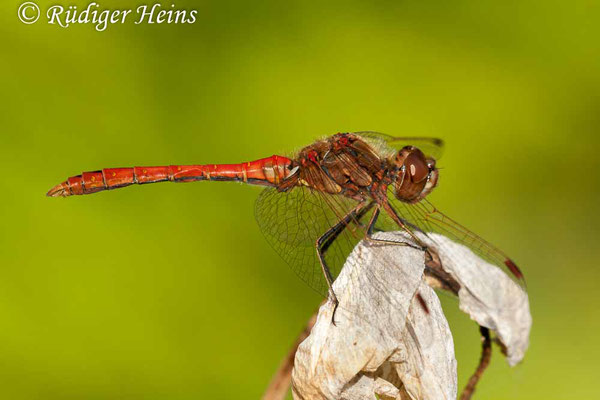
(57, 191)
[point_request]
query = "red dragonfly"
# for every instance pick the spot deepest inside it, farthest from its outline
(321, 202)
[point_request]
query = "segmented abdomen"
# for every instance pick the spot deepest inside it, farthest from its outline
(266, 171)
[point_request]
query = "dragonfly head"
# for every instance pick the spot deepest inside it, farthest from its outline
(417, 175)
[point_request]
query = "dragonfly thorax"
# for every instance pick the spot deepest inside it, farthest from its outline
(346, 164)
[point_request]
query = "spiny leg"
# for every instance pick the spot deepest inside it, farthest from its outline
(323, 243)
(371, 227)
(404, 226)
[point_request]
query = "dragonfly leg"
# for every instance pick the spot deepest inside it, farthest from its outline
(371, 227)
(370, 238)
(405, 226)
(323, 243)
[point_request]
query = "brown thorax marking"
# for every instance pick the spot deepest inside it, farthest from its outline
(334, 166)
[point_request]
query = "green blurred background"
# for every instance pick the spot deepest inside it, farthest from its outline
(171, 292)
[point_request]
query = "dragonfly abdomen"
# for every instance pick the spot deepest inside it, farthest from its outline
(268, 171)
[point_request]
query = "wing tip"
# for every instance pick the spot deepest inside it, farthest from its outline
(516, 271)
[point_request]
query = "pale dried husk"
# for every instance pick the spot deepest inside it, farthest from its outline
(384, 344)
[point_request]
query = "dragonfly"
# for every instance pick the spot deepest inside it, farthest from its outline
(319, 203)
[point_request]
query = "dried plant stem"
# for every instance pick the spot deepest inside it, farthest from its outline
(280, 383)
(484, 361)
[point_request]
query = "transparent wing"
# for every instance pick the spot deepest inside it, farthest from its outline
(293, 221)
(426, 218)
(430, 146)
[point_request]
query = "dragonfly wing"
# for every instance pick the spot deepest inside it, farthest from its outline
(426, 218)
(430, 146)
(293, 221)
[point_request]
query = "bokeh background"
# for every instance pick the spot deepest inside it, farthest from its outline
(170, 291)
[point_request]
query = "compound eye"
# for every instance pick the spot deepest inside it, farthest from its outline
(417, 167)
